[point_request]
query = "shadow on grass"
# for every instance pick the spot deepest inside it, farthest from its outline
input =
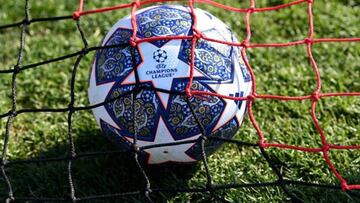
(325, 194)
(326, 191)
(118, 173)
(99, 175)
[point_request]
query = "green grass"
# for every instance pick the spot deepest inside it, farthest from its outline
(283, 71)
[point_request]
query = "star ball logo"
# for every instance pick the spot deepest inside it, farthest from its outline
(160, 56)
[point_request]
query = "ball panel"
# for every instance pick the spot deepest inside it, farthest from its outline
(163, 21)
(114, 64)
(215, 65)
(181, 122)
(147, 112)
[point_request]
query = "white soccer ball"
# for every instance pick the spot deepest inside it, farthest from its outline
(163, 67)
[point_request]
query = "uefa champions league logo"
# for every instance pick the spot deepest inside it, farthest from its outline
(161, 71)
(160, 56)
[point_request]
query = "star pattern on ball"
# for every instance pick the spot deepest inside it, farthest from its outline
(98, 97)
(231, 107)
(161, 75)
(173, 153)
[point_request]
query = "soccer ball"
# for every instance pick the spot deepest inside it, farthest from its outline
(162, 115)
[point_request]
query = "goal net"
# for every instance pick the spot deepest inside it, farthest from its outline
(260, 143)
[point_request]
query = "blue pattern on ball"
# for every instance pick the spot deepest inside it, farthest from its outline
(114, 64)
(163, 21)
(181, 122)
(216, 62)
(147, 111)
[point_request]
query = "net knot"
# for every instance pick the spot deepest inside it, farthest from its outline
(76, 15)
(251, 10)
(26, 21)
(71, 107)
(251, 97)
(308, 41)
(197, 34)
(135, 148)
(344, 186)
(85, 51)
(133, 41)
(245, 44)
(262, 144)
(316, 96)
(136, 3)
(325, 148)
(13, 113)
(17, 69)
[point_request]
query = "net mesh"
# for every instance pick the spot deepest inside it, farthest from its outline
(210, 187)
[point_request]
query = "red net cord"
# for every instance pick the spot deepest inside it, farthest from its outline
(246, 44)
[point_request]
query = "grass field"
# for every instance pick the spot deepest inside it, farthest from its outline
(281, 71)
